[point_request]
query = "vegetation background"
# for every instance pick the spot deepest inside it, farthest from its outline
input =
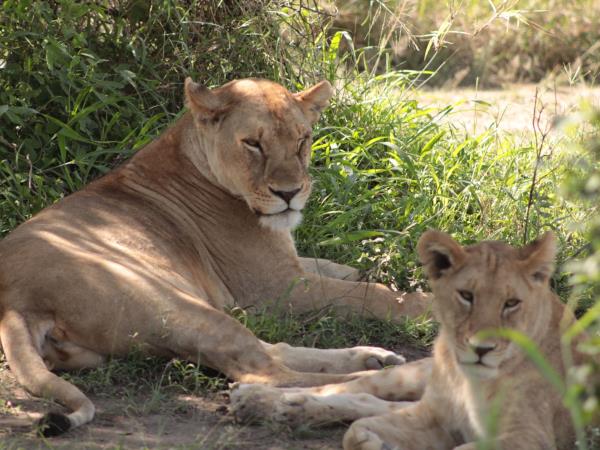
(83, 85)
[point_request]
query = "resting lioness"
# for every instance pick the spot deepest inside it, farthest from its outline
(150, 254)
(470, 379)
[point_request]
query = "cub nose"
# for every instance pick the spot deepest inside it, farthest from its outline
(287, 196)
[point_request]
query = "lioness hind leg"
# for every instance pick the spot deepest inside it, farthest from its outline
(342, 360)
(327, 268)
(65, 355)
(29, 368)
(402, 383)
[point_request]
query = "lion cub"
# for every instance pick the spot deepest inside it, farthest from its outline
(471, 376)
(486, 286)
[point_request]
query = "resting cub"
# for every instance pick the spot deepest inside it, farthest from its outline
(486, 286)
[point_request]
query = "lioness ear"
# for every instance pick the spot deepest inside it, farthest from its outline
(204, 104)
(439, 253)
(314, 100)
(538, 257)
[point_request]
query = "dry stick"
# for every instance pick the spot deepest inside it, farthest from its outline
(540, 139)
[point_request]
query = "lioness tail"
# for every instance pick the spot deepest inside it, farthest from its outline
(31, 372)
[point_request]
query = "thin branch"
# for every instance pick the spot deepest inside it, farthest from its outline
(540, 136)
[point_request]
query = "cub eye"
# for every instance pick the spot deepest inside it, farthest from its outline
(511, 303)
(252, 145)
(466, 297)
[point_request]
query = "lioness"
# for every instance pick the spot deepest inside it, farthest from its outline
(485, 286)
(150, 254)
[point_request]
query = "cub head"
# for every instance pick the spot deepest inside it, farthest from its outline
(256, 137)
(488, 286)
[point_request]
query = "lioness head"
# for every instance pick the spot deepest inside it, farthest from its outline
(256, 139)
(487, 286)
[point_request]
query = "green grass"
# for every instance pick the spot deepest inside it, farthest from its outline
(386, 170)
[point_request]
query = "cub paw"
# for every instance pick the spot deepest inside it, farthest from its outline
(360, 438)
(291, 409)
(251, 403)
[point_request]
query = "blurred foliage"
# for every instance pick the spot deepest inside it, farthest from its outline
(583, 184)
(85, 84)
(477, 41)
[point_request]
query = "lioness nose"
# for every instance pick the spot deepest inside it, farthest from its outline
(481, 351)
(285, 195)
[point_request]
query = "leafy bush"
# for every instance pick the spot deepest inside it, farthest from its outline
(84, 85)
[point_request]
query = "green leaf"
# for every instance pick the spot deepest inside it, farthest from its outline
(532, 351)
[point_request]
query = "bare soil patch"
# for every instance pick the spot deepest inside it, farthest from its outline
(510, 109)
(142, 421)
(179, 421)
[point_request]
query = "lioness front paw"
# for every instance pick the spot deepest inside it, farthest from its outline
(374, 358)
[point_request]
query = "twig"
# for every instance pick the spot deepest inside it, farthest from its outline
(30, 175)
(540, 136)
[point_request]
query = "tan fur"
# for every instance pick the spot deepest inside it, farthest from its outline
(465, 386)
(149, 255)
(459, 388)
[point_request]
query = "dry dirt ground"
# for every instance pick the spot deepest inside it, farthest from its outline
(169, 422)
(191, 422)
(178, 422)
(511, 109)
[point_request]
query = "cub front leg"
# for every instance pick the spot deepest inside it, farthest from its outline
(302, 406)
(313, 292)
(361, 397)
(406, 382)
(411, 428)
(532, 436)
(343, 360)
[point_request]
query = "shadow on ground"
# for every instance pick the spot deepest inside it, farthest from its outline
(171, 421)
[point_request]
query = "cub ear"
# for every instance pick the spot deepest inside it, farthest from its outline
(314, 100)
(439, 253)
(538, 257)
(204, 104)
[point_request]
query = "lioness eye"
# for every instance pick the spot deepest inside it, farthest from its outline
(466, 297)
(511, 303)
(252, 145)
(301, 143)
